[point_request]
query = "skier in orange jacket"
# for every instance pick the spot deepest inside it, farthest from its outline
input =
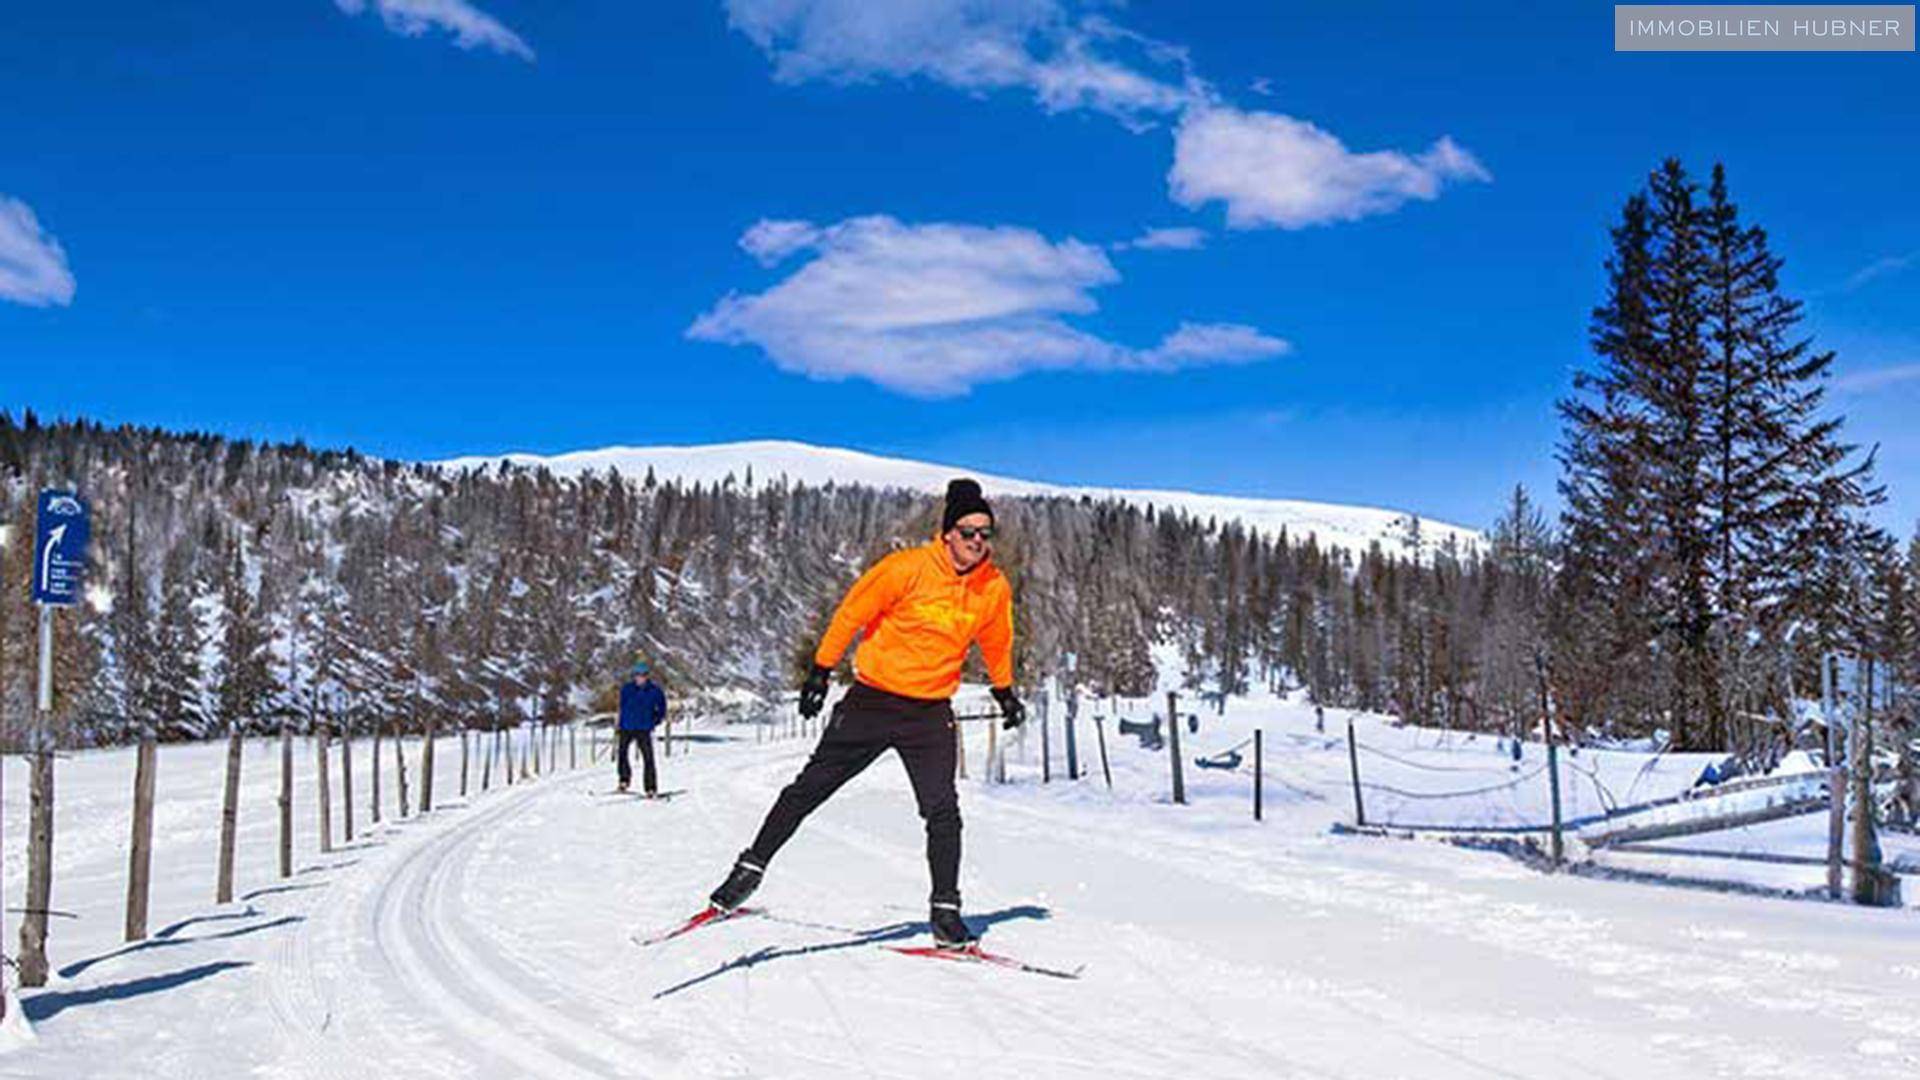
(918, 611)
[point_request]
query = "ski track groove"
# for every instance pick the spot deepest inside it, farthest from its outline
(412, 915)
(299, 1009)
(419, 920)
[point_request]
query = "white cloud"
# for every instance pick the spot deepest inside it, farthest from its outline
(1212, 343)
(33, 268)
(471, 28)
(1880, 268)
(1274, 170)
(772, 241)
(1877, 378)
(1066, 62)
(1268, 168)
(1175, 239)
(933, 310)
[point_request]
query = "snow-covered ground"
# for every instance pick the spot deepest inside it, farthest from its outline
(491, 938)
(1350, 527)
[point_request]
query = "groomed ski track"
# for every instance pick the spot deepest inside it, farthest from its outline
(490, 939)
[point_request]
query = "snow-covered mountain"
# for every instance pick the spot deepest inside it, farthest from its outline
(1352, 527)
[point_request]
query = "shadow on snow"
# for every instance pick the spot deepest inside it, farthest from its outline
(44, 1006)
(860, 939)
(164, 939)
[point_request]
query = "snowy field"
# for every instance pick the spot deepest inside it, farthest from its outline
(491, 937)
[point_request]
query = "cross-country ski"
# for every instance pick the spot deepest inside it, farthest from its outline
(975, 954)
(708, 916)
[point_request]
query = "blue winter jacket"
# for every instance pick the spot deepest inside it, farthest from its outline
(641, 707)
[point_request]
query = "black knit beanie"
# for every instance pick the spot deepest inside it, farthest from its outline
(963, 498)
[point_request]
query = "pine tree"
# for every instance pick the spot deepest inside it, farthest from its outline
(1774, 458)
(173, 702)
(1603, 602)
(1518, 574)
(1709, 505)
(245, 682)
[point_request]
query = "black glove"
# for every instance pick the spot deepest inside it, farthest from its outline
(813, 692)
(1010, 707)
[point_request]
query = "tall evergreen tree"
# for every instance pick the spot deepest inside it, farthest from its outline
(173, 703)
(245, 683)
(1710, 505)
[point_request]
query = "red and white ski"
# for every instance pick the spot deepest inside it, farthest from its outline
(708, 917)
(974, 954)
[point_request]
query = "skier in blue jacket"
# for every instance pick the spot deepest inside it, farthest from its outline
(642, 706)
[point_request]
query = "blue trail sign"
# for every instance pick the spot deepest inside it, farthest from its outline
(60, 548)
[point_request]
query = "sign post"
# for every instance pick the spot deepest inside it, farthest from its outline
(62, 528)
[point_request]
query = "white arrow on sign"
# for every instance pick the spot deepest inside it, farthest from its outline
(46, 555)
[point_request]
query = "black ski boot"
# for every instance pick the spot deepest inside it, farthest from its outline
(739, 885)
(949, 929)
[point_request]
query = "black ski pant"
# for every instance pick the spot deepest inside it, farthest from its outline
(645, 739)
(864, 724)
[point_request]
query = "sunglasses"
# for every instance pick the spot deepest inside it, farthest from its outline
(968, 532)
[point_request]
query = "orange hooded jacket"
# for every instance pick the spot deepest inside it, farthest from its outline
(919, 616)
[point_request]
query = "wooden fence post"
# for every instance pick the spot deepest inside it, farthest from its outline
(1073, 748)
(346, 776)
(573, 745)
(463, 761)
(489, 751)
(1046, 747)
(1553, 791)
(324, 803)
(1259, 773)
(1173, 747)
(1872, 884)
(1100, 732)
(1836, 781)
(33, 923)
(1353, 763)
(400, 770)
(374, 806)
(1553, 755)
(140, 857)
(229, 819)
(286, 799)
(426, 767)
(1836, 828)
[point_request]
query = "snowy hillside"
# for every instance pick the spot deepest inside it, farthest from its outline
(1352, 527)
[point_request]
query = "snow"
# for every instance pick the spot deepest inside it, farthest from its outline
(1798, 761)
(1350, 527)
(490, 938)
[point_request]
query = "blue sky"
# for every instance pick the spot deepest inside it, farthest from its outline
(1373, 231)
